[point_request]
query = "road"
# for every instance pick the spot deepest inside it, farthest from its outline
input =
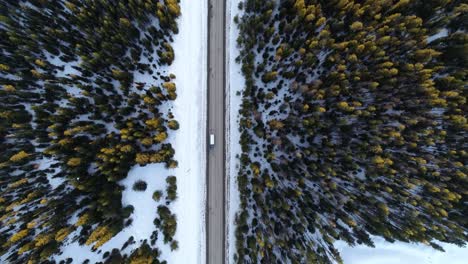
(216, 154)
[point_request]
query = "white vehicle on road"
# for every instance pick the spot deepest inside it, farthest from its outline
(212, 139)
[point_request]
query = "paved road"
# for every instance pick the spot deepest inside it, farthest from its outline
(216, 160)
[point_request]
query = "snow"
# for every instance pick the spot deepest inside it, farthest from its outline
(44, 164)
(145, 211)
(190, 46)
(68, 67)
(235, 84)
(145, 208)
(401, 253)
(441, 34)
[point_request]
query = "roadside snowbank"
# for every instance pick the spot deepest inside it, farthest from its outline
(190, 46)
(235, 85)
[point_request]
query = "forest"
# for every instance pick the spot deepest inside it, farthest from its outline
(74, 119)
(353, 124)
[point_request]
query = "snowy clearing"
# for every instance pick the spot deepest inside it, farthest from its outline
(235, 84)
(401, 253)
(145, 210)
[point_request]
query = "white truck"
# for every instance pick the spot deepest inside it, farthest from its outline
(212, 139)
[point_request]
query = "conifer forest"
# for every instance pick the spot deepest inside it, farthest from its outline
(72, 113)
(352, 126)
(353, 123)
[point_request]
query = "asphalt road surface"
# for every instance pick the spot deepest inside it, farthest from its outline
(216, 156)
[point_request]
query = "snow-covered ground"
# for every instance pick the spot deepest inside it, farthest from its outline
(190, 47)
(235, 84)
(189, 109)
(401, 253)
(145, 211)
